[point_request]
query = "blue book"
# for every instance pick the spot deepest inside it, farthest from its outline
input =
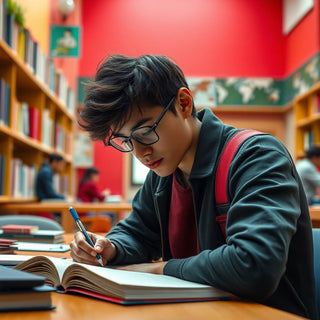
(2, 97)
(36, 298)
(12, 279)
(6, 104)
(9, 29)
(2, 169)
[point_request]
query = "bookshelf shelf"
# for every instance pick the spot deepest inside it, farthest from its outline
(36, 119)
(307, 120)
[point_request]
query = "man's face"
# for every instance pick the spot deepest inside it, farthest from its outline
(164, 156)
(58, 166)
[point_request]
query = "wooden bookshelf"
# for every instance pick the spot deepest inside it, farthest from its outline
(51, 122)
(307, 120)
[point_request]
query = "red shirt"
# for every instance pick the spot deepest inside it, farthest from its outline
(88, 192)
(183, 236)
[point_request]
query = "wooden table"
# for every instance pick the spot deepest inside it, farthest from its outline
(315, 216)
(84, 308)
(66, 219)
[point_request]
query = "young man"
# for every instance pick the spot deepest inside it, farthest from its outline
(143, 105)
(44, 181)
(309, 174)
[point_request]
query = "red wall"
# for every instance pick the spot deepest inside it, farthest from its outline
(110, 164)
(217, 38)
(205, 37)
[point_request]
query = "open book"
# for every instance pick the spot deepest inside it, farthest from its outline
(119, 286)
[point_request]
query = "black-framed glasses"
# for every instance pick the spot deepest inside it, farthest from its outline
(146, 135)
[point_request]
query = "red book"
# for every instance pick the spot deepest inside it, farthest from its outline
(34, 123)
(19, 229)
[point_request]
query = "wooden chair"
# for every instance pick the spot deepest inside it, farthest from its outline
(97, 223)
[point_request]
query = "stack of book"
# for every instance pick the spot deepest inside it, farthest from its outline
(31, 234)
(22, 291)
(7, 246)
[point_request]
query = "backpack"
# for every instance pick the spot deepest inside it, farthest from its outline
(221, 181)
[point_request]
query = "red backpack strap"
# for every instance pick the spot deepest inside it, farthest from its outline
(221, 179)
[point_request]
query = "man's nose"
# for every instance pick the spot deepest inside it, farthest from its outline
(141, 150)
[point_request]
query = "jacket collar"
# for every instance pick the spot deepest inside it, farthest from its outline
(210, 143)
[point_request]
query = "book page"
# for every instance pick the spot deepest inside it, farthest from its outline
(49, 267)
(134, 285)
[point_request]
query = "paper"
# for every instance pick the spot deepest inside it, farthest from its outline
(50, 247)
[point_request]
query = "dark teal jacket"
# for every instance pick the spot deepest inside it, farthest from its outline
(268, 253)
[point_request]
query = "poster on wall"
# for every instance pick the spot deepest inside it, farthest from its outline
(293, 12)
(65, 41)
(83, 146)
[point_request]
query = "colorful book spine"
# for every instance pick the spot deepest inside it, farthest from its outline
(34, 123)
(19, 229)
(4, 102)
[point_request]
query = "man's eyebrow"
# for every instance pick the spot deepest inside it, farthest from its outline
(140, 123)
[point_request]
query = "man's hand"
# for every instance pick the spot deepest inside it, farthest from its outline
(81, 251)
(154, 267)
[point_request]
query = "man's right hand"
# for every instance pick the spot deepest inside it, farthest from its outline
(81, 251)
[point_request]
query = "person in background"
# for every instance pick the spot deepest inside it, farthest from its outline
(144, 105)
(88, 190)
(44, 181)
(308, 169)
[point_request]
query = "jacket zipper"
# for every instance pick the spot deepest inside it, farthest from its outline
(160, 222)
(195, 217)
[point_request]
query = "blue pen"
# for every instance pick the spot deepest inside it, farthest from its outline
(84, 231)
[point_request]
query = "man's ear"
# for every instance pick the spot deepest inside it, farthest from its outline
(185, 102)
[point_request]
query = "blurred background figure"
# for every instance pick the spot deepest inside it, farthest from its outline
(88, 190)
(45, 189)
(44, 181)
(308, 169)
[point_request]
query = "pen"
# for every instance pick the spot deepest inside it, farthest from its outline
(83, 230)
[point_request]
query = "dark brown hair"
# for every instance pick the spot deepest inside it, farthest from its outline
(123, 83)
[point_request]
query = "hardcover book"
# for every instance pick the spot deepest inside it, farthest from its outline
(20, 229)
(20, 291)
(118, 286)
(45, 236)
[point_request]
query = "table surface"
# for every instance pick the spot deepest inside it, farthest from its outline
(77, 307)
(57, 206)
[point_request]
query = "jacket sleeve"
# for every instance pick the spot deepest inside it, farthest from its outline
(262, 219)
(137, 237)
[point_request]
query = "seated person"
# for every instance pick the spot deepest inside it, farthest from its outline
(88, 190)
(44, 182)
(143, 105)
(309, 174)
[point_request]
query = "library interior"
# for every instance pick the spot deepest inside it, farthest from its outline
(254, 64)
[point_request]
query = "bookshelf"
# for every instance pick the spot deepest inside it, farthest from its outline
(307, 120)
(36, 119)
